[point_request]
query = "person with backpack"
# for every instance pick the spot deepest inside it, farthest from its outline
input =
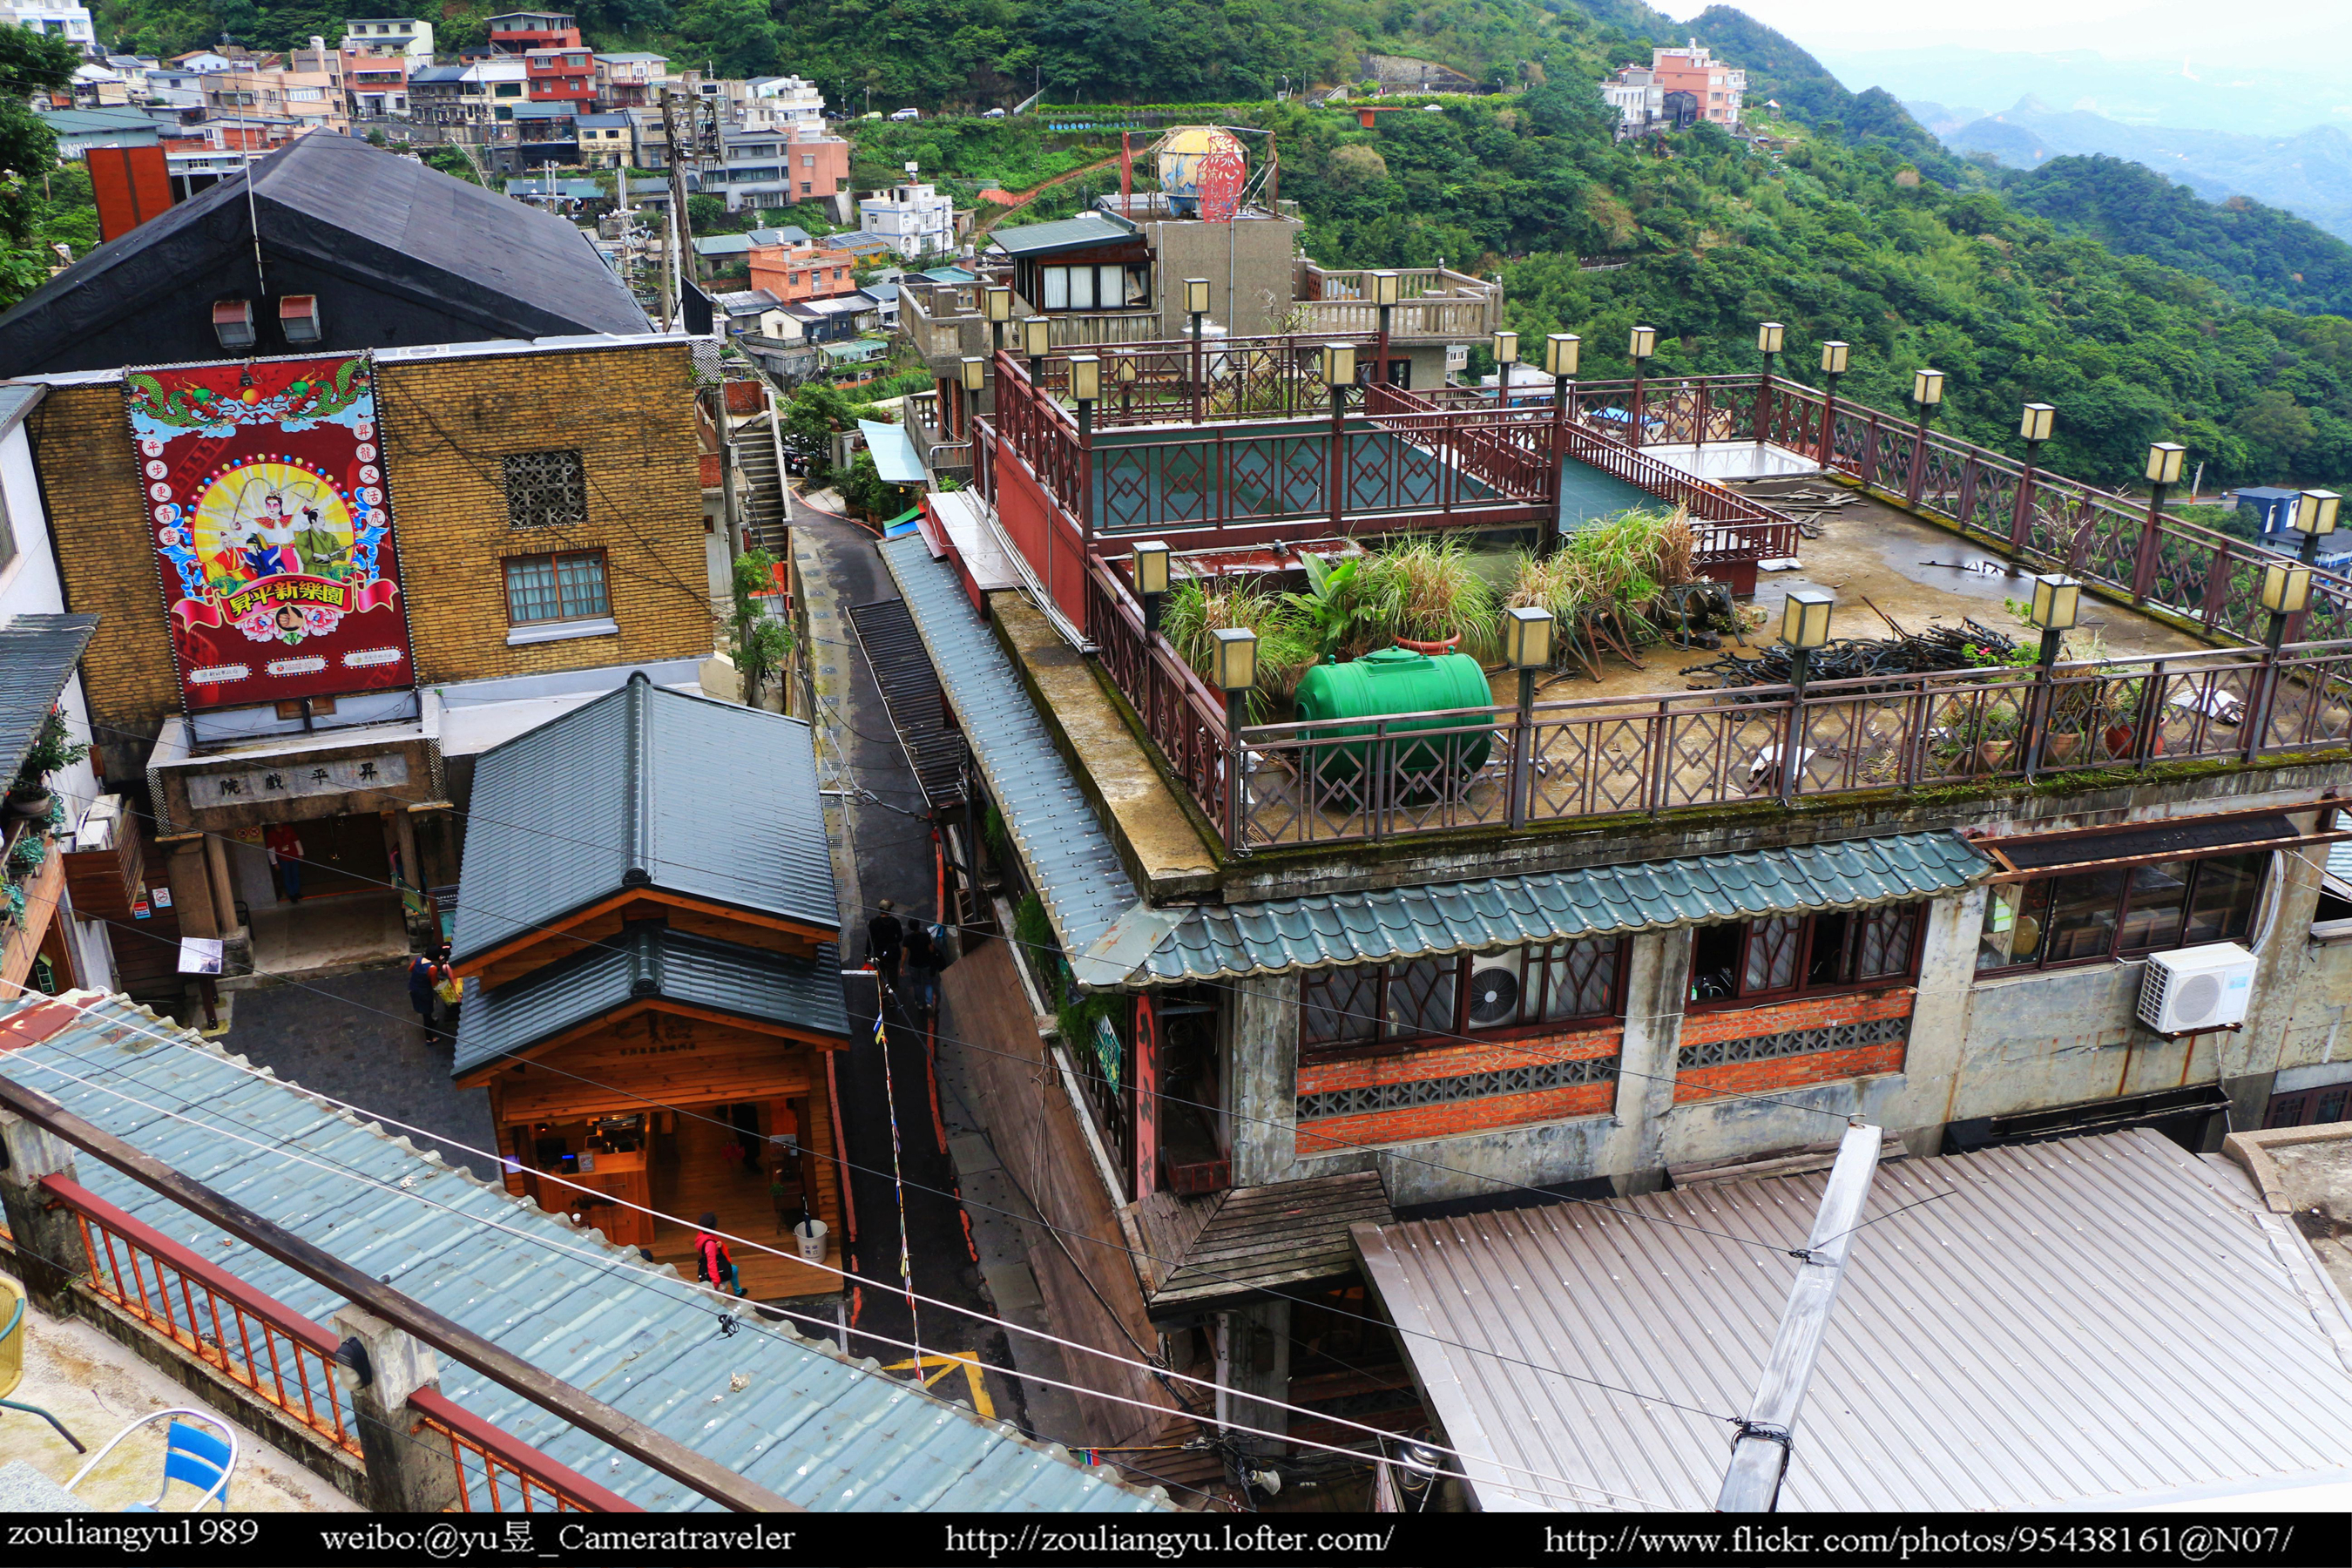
(713, 1264)
(922, 989)
(423, 972)
(885, 939)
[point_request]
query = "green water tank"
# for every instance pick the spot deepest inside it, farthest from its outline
(1397, 680)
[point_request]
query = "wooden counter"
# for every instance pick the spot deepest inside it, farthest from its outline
(620, 1176)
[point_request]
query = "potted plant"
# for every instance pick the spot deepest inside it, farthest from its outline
(1426, 593)
(52, 749)
(1285, 650)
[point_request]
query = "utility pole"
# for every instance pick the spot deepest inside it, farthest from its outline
(682, 231)
(1759, 1456)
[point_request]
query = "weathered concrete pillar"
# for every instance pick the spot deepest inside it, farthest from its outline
(2247, 1061)
(1257, 1362)
(48, 1241)
(1657, 978)
(1935, 1057)
(407, 1472)
(1262, 1076)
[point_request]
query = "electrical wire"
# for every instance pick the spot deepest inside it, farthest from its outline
(1165, 1098)
(284, 1148)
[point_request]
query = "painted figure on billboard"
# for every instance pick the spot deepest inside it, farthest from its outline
(266, 495)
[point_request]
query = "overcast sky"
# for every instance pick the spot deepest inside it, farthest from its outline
(2272, 32)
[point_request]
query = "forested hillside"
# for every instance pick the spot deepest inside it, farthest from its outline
(1862, 228)
(2258, 253)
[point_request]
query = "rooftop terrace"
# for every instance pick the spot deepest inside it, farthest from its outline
(1232, 453)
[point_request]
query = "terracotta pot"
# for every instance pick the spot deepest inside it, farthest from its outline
(1991, 757)
(2119, 739)
(1431, 648)
(2058, 748)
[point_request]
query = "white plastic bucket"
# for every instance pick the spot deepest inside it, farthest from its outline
(811, 1236)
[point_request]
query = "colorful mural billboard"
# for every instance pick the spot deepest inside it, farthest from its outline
(272, 527)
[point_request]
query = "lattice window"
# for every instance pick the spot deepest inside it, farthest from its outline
(1421, 997)
(1772, 949)
(546, 490)
(1568, 980)
(1339, 1006)
(1884, 940)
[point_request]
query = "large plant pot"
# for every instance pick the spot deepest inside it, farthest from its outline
(34, 804)
(2121, 737)
(1991, 757)
(2060, 749)
(1431, 648)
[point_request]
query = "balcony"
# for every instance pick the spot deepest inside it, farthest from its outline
(1223, 453)
(1438, 305)
(944, 323)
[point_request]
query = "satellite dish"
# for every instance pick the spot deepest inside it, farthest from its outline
(1493, 995)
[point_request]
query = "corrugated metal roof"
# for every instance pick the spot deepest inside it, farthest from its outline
(37, 653)
(645, 787)
(1061, 234)
(1219, 941)
(910, 690)
(648, 960)
(1069, 858)
(809, 1424)
(2098, 1322)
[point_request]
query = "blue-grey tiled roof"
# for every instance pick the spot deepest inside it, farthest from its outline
(1217, 942)
(807, 1423)
(645, 962)
(37, 653)
(1063, 845)
(645, 787)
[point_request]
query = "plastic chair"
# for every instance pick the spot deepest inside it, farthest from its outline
(12, 1361)
(190, 1455)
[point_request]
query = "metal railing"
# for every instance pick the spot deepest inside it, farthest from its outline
(509, 1476)
(2150, 559)
(255, 1342)
(1185, 716)
(287, 1359)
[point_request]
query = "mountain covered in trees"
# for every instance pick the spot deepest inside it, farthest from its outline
(2141, 315)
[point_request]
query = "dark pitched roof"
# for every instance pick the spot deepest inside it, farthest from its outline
(398, 253)
(651, 962)
(645, 787)
(37, 654)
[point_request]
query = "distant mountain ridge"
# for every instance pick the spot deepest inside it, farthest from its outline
(2308, 174)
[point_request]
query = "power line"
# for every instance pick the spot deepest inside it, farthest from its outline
(1162, 1096)
(333, 1167)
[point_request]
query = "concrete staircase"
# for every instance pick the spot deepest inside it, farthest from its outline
(764, 513)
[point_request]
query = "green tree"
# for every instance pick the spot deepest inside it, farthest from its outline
(757, 641)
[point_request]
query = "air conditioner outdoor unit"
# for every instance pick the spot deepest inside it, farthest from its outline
(2197, 988)
(1494, 989)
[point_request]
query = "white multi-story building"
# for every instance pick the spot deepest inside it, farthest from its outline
(57, 18)
(389, 35)
(913, 220)
(774, 103)
(1636, 95)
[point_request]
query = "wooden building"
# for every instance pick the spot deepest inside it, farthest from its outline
(648, 925)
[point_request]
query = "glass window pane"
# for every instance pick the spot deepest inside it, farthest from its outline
(581, 579)
(1057, 287)
(1715, 963)
(1341, 1006)
(1825, 963)
(2222, 907)
(2016, 917)
(2152, 908)
(1569, 980)
(530, 589)
(1082, 288)
(1420, 997)
(1884, 944)
(1771, 954)
(2083, 915)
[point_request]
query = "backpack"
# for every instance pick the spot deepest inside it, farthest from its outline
(941, 954)
(706, 1250)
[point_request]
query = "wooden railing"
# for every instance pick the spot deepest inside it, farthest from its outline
(255, 1340)
(287, 1359)
(1435, 304)
(498, 1474)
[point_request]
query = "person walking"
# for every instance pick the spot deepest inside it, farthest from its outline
(449, 988)
(285, 846)
(424, 973)
(886, 942)
(713, 1264)
(923, 966)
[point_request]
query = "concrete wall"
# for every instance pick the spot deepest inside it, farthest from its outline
(1247, 264)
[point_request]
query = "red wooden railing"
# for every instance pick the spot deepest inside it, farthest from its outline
(287, 1359)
